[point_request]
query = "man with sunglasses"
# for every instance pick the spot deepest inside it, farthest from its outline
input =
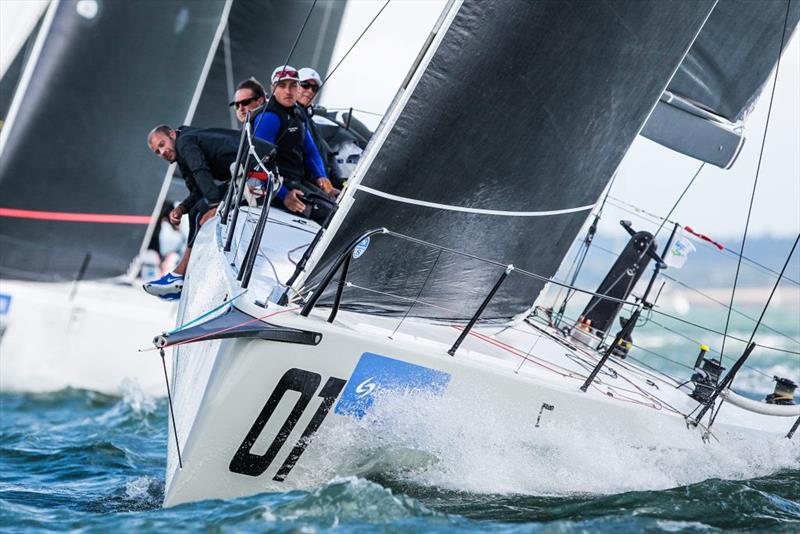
(310, 83)
(283, 124)
(249, 96)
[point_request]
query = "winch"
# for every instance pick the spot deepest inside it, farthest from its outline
(784, 392)
(706, 376)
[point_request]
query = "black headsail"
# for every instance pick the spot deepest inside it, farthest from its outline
(75, 176)
(702, 111)
(502, 142)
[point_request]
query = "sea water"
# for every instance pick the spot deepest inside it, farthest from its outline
(82, 460)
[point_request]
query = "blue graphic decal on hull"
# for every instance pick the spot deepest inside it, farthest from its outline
(375, 373)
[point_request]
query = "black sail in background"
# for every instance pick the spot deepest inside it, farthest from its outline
(524, 107)
(725, 71)
(729, 63)
(258, 38)
(76, 148)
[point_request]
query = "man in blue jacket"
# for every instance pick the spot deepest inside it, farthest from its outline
(283, 124)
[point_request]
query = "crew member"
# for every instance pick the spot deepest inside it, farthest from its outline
(310, 83)
(249, 96)
(283, 124)
(204, 157)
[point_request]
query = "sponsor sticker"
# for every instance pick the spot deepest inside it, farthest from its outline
(5, 303)
(361, 248)
(375, 373)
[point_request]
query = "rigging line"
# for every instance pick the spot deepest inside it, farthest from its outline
(285, 63)
(753, 193)
(695, 342)
(738, 312)
(171, 411)
(364, 111)
(774, 287)
(299, 34)
(638, 210)
(571, 276)
(774, 330)
(763, 268)
(647, 216)
(378, 14)
(687, 338)
(675, 205)
(711, 330)
(419, 293)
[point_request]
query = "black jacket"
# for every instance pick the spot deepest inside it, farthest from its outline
(204, 156)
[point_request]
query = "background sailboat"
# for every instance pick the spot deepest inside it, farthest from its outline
(80, 196)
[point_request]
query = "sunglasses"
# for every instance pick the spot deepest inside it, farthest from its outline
(285, 74)
(244, 102)
(308, 85)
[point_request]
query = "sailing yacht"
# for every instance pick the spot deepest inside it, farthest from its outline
(420, 292)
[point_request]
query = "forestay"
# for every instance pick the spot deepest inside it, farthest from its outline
(509, 130)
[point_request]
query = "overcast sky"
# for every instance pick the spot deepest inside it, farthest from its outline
(651, 176)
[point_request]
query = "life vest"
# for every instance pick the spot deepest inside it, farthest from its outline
(290, 140)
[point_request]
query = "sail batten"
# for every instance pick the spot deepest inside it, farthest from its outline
(519, 108)
(451, 207)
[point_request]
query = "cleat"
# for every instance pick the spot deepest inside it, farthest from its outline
(168, 287)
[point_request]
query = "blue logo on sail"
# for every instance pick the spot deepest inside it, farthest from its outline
(375, 373)
(360, 248)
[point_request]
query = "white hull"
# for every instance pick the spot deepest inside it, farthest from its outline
(89, 339)
(234, 442)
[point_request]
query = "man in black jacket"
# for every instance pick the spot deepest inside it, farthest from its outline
(204, 157)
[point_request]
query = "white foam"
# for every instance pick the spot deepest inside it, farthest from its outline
(462, 442)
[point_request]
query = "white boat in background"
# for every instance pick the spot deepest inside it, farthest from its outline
(308, 352)
(80, 205)
(84, 335)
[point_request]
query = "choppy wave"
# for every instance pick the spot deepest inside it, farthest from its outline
(80, 460)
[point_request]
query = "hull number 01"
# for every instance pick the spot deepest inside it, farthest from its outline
(305, 383)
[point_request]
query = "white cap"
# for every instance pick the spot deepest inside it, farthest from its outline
(284, 72)
(308, 74)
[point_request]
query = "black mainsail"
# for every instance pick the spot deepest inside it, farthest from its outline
(76, 181)
(502, 142)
